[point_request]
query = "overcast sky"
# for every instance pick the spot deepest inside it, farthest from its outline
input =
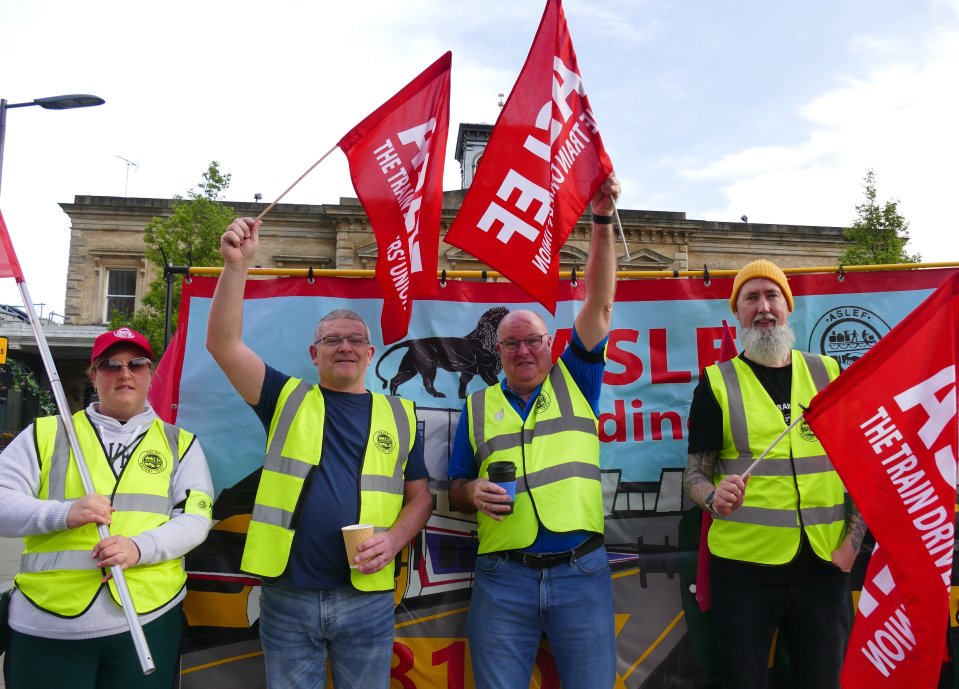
(718, 108)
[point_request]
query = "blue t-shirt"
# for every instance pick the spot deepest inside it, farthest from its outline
(586, 368)
(331, 496)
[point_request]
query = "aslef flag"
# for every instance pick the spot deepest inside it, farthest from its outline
(544, 161)
(889, 425)
(9, 266)
(396, 160)
(727, 351)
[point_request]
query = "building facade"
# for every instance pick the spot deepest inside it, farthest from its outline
(107, 268)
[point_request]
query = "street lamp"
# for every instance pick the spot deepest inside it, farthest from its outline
(76, 100)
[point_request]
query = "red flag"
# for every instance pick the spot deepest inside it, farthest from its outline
(396, 160)
(727, 351)
(889, 425)
(544, 161)
(9, 266)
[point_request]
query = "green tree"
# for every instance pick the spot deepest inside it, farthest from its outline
(880, 233)
(189, 236)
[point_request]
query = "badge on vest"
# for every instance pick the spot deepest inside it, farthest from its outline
(151, 462)
(805, 432)
(542, 402)
(384, 441)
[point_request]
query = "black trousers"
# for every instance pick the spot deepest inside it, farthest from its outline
(813, 618)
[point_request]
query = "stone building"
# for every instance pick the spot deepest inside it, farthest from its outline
(107, 268)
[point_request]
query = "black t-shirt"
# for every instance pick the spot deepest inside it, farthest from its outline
(706, 435)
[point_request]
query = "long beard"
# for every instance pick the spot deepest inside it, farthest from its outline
(768, 346)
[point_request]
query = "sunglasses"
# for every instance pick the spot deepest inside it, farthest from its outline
(112, 367)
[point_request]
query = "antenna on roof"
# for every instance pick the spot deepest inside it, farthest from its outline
(130, 164)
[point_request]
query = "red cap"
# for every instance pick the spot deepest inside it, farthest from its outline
(123, 336)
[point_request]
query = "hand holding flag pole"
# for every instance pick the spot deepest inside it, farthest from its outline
(10, 267)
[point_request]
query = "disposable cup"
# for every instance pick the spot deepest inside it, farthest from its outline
(353, 535)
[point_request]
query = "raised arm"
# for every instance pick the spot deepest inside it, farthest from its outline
(224, 337)
(593, 320)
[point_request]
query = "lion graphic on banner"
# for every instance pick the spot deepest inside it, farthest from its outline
(471, 355)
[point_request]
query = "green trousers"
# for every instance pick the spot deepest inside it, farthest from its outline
(110, 662)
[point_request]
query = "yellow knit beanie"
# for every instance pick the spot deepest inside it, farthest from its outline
(761, 268)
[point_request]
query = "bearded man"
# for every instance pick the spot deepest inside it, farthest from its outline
(782, 544)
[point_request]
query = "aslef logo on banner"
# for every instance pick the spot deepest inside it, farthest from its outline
(847, 333)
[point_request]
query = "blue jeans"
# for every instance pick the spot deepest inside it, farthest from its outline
(513, 605)
(301, 629)
(814, 622)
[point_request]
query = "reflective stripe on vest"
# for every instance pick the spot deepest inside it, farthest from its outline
(295, 448)
(765, 529)
(58, 572)
(556, 454)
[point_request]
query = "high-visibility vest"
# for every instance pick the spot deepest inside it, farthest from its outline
(57, 572)
(795, 487)
(556, 453)
(294, 450)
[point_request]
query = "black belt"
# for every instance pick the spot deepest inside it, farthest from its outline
(544, 560)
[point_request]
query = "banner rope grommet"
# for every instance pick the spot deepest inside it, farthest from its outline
(842, 273)
(572, 277)
(443, 278)
(706, 280)
(309, 275)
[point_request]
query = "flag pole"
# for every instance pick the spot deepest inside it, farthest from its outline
(298, 180)
(619, 224)
(761, 457)
(136, 630)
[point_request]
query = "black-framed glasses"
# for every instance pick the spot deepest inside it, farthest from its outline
(112, 367)
(532, 342)
(336, 340)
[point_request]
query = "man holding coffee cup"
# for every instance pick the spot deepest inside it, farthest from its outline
(542, 567)
(336, 454)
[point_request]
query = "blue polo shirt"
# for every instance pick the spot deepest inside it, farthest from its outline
(586, 368)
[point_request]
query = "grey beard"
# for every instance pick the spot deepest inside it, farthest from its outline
(768, 346)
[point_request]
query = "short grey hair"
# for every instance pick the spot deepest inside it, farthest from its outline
(342, 315)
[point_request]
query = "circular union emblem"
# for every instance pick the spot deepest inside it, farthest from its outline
(151, 462)
(383, 441)
(542, 402)
(805, 432)
(202, 504)
(846, 333)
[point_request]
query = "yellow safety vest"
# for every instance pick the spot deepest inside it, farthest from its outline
(795, 487)
(295, 448)
(57, 572)
(556, 453)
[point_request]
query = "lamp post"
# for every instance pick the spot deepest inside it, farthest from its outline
(76, 100)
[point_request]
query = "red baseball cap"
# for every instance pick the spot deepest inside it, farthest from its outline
(122, 336)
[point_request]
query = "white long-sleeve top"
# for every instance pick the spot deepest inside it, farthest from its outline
(23, 514)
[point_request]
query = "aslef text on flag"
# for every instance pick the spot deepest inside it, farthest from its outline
(889, 426)
(544, 161)
(396, 160)
(9, 266)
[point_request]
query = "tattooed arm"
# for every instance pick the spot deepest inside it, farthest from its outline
(698, 477)
(845, 555)
(698, 483)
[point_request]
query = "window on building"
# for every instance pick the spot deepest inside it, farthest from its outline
(121, 293)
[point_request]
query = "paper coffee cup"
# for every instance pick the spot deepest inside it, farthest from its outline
(353, 535)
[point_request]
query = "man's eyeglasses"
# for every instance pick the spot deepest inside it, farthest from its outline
(112, 367)
(336, 340)
(533, 342)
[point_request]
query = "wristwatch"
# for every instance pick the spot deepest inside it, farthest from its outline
(709, 503)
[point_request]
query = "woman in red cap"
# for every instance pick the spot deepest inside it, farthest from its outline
(153, 489)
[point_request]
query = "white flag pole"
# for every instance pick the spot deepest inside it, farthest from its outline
(136, 630)
(298, 180)
(769, 449)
